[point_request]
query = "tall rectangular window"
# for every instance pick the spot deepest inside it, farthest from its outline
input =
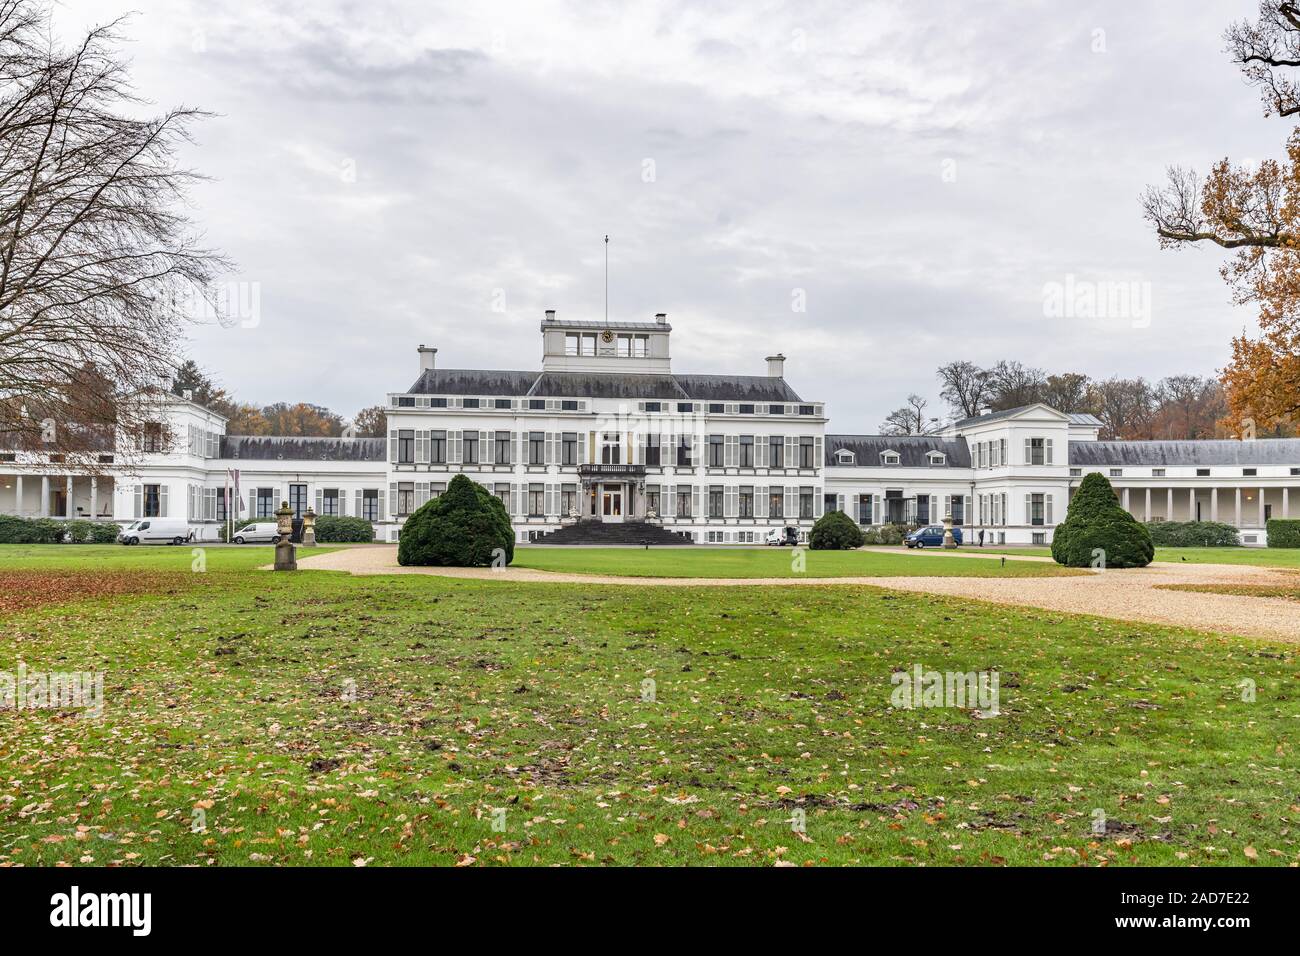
(571, 343)
(683, 502)
(805, 502)
(438, 447)
(469, 448)
(536, 501)
(746, 501)
(715, 501)
(503, 443)
(776, 451)
(569, 450)
(1037, 456)
(806, 452)
(370, 504)
(152, 502)
(715, 451)
(746, 451)
(329, 501)
(776, 503)
(864, 509)
(1036, 509)
(405, 498)
(406, 447)
(265, 502)
(652, 451)
(684, 452)
(298, 499)
(536, 448)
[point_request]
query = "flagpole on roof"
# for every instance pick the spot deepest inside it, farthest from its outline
(607, 280)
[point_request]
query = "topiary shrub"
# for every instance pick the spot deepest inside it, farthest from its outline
(1283, 532)
(1193, 534)
(466, 526)
(333, 529)
(835, 531)
(1096, 521)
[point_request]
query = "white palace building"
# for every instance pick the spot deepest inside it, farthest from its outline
(606, 432)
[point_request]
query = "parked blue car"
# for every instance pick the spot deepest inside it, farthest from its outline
(930, 537)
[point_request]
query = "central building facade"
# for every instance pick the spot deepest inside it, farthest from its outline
(605, 431)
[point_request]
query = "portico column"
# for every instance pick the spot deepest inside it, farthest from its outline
(1261, 507)
(1214, 504)
(1169, 504)
(67, 499)
(1286, 502)
(94, 497)
(1125, 490)
(1236, 502)
(1148, 506)
(1191, 504)
(45, 496)
(18, 500)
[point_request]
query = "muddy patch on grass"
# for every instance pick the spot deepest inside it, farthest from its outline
(24, 590)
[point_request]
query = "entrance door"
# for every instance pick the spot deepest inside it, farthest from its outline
(611, 503)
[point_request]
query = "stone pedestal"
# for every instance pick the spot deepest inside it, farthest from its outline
(948, 540)
(286, 555)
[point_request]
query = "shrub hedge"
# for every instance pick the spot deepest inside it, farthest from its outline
(1283, 532)
(465, 526)
(835, 531)
(15, 530)
(1097, 522)
(885, 534)
(1193, 534)
(333, 529)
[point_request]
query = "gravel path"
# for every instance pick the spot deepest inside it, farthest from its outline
(1130, 595)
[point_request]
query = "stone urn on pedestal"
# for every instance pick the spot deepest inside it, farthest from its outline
(286, 555)
(309, 528)
(948, 540)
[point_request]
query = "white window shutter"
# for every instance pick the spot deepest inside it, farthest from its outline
(421, 493)
(877, 516)
(454, 447)
(857, 509)
(791, 504)
(819, 503)
(486, 449)
(760, 501)
(1047, 451)
(382, 506)
(1029, 508)
(760, 455)
(695, 501)
(668, 501)
(791, 451)
(359, 499)
(839, 502)
(818, 454)
(697, 450)
(320, 500)
(392, 445)
(1047, 509)
(162, 501)
(947, 505)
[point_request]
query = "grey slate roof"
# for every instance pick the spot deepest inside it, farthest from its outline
(603, 385)
(1084, 418)
(737, 388)
(469, 381)
(1203, 454)
(912, 450)
(706, 388)
(288, 447)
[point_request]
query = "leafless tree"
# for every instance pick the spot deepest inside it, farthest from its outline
(965, 388)
(1266, 48)
(1126, 407)
(99, 267)
(1013, 385)
(910, 419)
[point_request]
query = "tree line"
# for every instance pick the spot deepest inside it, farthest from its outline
(301, 419)
(1175, 407)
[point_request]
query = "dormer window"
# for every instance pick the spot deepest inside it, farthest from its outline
(845, 457)
(937, 458)
(890, 457)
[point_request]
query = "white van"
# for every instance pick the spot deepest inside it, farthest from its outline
(258, 531)
(145, 530)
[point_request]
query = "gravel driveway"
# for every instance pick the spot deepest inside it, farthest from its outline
(1130, 595)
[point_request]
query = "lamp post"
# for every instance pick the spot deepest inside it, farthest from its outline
(285, 554)
(309, 528)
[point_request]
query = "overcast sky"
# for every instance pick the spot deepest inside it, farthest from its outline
(914, 175)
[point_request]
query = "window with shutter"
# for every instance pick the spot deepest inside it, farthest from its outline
(668, 502)
(760, 455)
(760, 501)
(1047, 510)
(1047, 451)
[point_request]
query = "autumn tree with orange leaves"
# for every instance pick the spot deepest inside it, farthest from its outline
(1255, 213)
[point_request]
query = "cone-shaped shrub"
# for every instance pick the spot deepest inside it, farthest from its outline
(465, 526)
(835, 531)
(1096, 520)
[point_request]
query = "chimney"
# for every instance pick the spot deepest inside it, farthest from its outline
(426, 357)
(776, 366)
(661, 318)
(550, 315)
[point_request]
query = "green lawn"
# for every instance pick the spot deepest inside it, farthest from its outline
(324, 719)
(1264, 557)
(770, 563)
(162, 557)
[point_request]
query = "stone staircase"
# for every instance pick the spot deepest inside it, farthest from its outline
(634, 533)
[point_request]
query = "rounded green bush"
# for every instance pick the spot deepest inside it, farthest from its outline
(1193, 534)
(466, 526)
(835, 531)
(1097, 526)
